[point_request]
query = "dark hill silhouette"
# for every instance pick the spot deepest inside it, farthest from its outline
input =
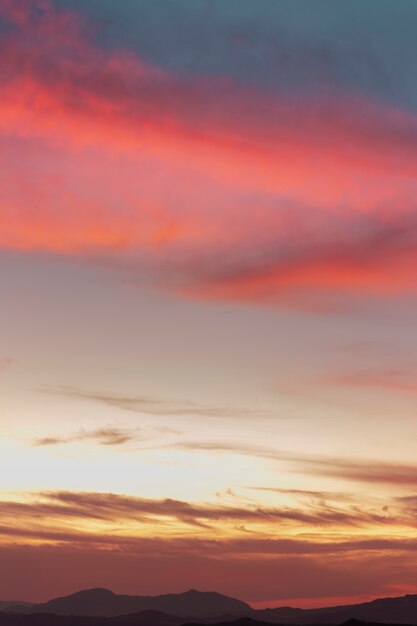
(241, 621)
(15, 605)
(206, 607)
(191, 604)
(402, 610)
(145, 618)
(357, 622)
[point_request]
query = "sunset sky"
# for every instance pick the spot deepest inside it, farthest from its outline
(208, 279)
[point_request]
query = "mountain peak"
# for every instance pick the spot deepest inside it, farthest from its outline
(103, 602)
(99, 592)
(199, 592)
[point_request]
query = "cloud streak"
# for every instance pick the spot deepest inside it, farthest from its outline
(152, 405)
(349, 469)
(397, 381)
(103, 436)
(329, 542)
(89, 513)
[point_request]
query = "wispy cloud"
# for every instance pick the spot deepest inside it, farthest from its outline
(395, 380)
(215, 547)
(258, 451)
(349, 469)
(113, 508)
(383, 473)
(79, 507)
(152, 405)
(371, 262)
(315, 538)
(305, 493)
(103, 436)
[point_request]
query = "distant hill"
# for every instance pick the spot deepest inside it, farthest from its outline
(196, 606)
(146, 618)
(191, 604)
(15, 605)
(402, 610)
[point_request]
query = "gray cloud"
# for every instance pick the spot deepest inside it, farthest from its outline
(361, 46)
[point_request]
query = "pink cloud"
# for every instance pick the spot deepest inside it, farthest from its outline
(177, 179)
(389, 380)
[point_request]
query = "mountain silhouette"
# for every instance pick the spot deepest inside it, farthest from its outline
(146, 618)
(402, 610)
(15, 605)
(191, 604)
(102, 607)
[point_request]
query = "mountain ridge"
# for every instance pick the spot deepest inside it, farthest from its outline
(101, 601)
(210, 607)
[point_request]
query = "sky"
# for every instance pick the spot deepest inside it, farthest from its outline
(208, 262)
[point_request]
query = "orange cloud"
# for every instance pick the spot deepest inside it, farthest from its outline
(101, 519)
(236, 549)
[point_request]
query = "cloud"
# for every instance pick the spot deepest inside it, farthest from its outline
(373, 261)
(280, 46)
(152, 405)
(349, 469)
(113, 508)
(217, 548)
(320, 190)
(383, 473)
(121, 556)
(56, 509)
(306, 493)
(398, 381)
(258, 451)
(196, 539)
(103, 436)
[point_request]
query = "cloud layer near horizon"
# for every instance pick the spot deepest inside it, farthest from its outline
(114, 155)
(202, 540)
